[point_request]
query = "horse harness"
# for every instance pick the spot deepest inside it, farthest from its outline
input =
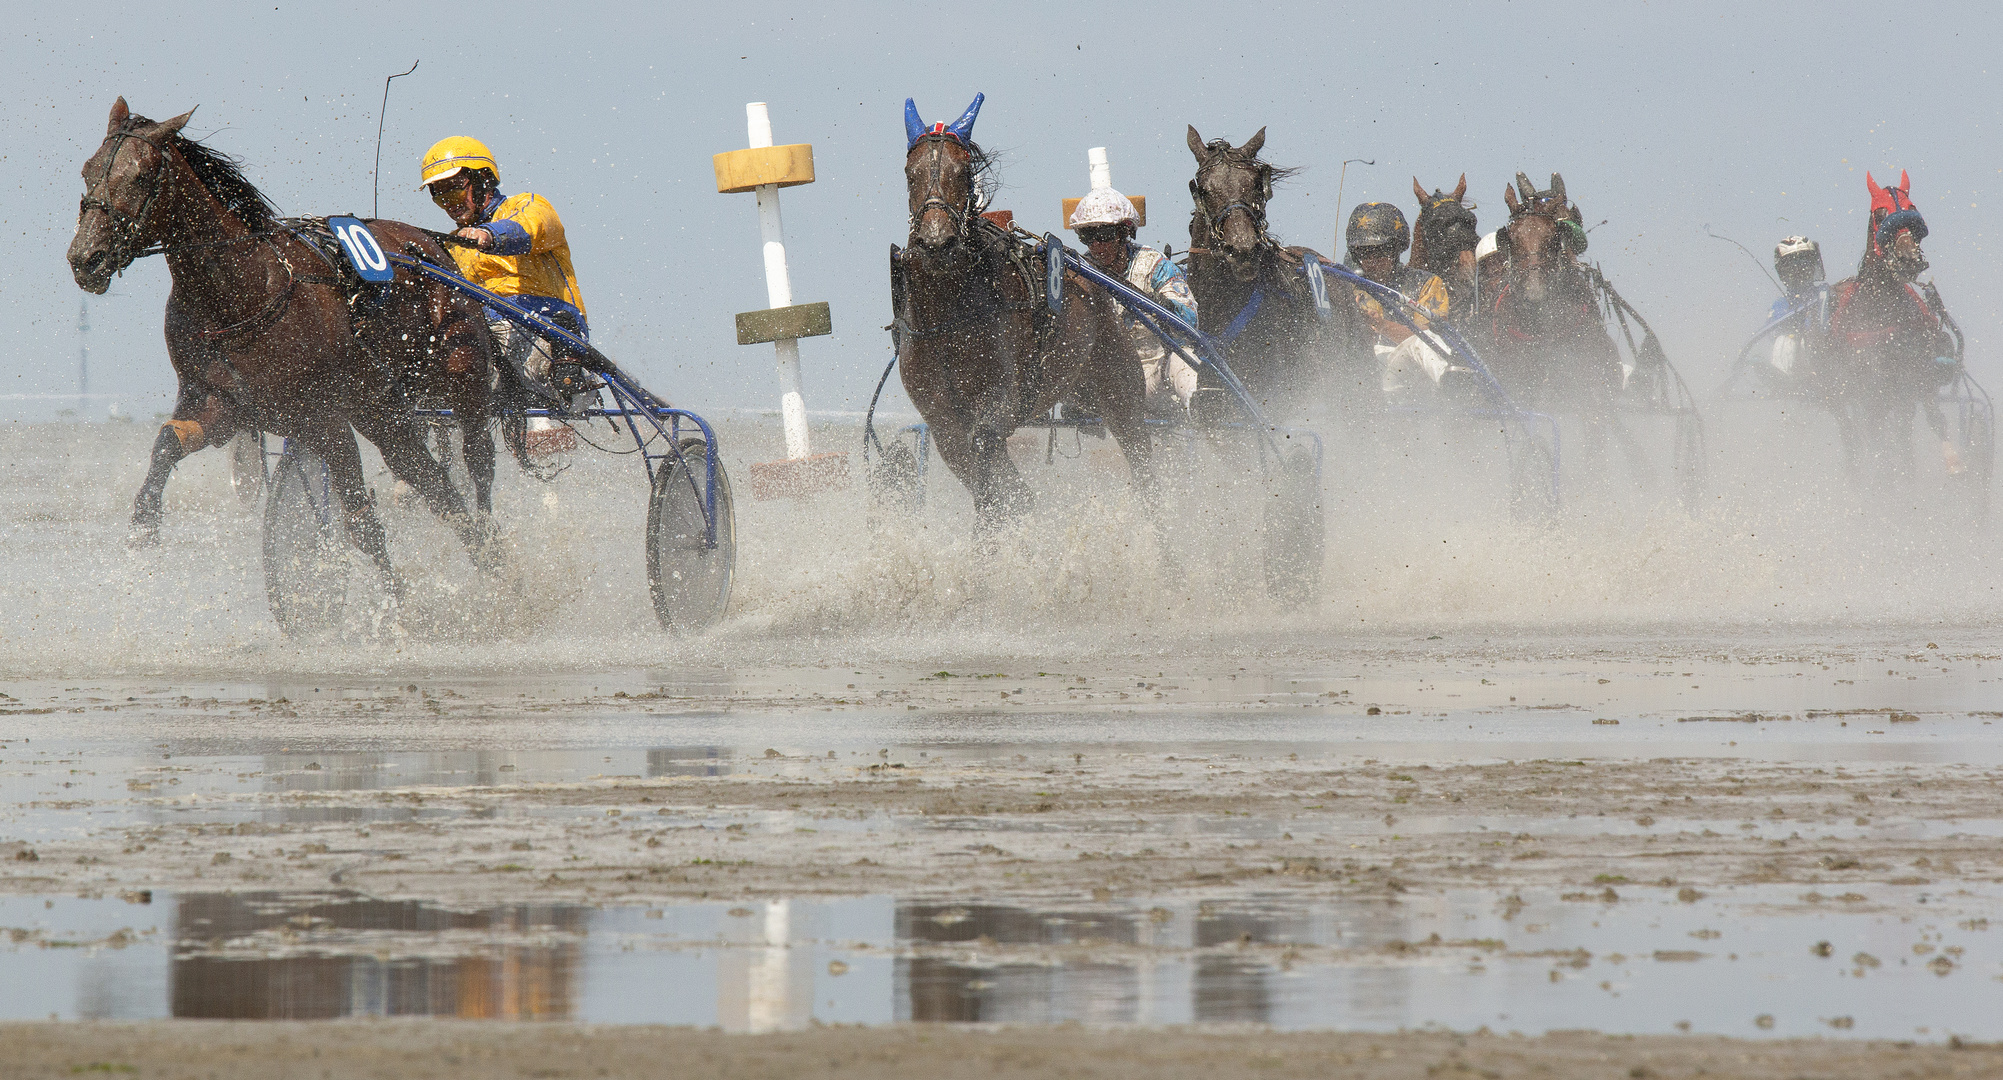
(1017, 250)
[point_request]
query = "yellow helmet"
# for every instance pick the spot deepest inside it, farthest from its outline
(448, 156)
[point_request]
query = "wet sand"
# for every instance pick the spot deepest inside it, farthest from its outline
(1528, 784)
(422, 1049)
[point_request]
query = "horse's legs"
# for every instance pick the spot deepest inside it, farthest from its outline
(1115, 382)
(330, 437)
(470, 407)
(200, 419)
(1000, 493)
(402, 446)
(469, 379)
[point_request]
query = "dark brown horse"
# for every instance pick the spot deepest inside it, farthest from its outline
(1444, 237)
(980, 349)
(1250, 292)
(1547, 343)
(263, 335)
(1887, 351)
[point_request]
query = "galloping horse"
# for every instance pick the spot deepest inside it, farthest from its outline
(1444, 237)
(1250, 291)
(1890, 349)
(1548, 343)
(981, 350)
(263, 335)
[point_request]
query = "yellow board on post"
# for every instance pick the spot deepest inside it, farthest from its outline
(748, 170)
(1140, 207)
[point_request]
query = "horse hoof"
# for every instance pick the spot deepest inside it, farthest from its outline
(142, 537)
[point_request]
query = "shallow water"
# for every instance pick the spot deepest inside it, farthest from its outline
(1740, 963)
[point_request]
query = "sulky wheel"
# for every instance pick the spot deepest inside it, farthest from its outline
(1295, 528)
(688, 575)
(247, 466)
(306, 558)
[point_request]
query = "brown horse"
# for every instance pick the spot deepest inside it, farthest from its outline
(980, 349)
(1444, 237)
(263, 335)
(1250, 292)
(1547, 341)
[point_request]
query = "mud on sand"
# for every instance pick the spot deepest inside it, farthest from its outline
(417, 1050)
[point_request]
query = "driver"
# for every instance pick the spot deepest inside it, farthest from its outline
(519, 252)
(1805, 293)
(1106, 221)
(1376, 236)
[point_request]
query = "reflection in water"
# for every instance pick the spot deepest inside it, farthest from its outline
(505, 980)
(1462, 960)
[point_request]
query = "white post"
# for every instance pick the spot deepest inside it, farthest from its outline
(1100, 168)
(778, 289)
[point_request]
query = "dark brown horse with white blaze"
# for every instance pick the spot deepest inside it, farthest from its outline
(1250, 292)
(262, 334)
(1547, 342)
(981, 351)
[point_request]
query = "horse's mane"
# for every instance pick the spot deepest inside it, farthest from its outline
(1221, 152)
(223, 176)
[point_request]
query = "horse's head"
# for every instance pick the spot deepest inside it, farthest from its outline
(1896, 230)
(1543, 237)
(123, 183)
(1231, 189)
(1444, 236)
(942, 177)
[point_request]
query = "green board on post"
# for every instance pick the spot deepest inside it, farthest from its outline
(784, 323)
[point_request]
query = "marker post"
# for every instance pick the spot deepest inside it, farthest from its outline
(763, 169)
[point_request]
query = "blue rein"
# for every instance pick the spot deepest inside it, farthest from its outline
(1245, 314)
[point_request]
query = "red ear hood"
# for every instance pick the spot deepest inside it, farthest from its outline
(1890, 200)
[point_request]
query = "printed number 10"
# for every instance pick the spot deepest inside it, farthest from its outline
(362, 247)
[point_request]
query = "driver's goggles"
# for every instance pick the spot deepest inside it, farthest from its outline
(1099, 234)
(447, 192)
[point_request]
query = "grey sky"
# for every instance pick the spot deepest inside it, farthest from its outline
(1759, 119)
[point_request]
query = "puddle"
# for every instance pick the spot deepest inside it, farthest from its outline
(1646, 963)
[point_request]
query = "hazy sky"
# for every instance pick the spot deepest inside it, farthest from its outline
(1758, 119)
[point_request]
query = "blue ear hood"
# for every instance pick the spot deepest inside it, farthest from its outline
(962, 129)
(964, 126)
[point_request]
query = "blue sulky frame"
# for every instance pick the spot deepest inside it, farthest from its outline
(633, 404)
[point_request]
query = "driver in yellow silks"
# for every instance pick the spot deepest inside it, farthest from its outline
(520, 253)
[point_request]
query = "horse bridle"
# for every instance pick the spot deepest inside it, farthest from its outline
(958, 214)
(1215, 221)
(125, 227)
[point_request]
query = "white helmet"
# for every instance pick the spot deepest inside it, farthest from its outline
(1104, 206)
(1795, 245)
